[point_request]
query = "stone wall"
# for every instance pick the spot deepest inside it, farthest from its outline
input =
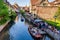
(46, 12)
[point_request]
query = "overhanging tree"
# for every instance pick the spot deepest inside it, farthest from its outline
(4, 13)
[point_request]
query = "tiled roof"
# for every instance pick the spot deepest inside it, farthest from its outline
(33, 2)
(37, 2)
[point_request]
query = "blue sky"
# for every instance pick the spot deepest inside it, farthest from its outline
(23, 2)
(50, 0)
(20, 2)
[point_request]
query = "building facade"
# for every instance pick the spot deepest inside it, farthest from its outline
(44, 8)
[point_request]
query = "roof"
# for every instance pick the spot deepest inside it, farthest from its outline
(33, 2)
(38, 2)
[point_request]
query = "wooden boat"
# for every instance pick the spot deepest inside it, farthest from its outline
(35, 33)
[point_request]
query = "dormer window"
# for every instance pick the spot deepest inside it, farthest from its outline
(44, 4)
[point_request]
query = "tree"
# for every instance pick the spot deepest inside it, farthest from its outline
(4, 13)
(22, 12)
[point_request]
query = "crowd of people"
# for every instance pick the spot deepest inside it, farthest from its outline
(43, 25)
(35, 32)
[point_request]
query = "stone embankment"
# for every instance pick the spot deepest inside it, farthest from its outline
(4, 25)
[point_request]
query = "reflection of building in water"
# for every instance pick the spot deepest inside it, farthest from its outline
(44, 8)
(16, 20)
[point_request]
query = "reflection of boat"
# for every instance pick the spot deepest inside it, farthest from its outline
(36, 33)
(16, 20)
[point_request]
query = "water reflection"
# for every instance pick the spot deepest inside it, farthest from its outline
(19, 31)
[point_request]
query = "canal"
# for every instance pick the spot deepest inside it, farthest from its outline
(18, 31)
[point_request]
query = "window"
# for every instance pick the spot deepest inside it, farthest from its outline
(44, 4)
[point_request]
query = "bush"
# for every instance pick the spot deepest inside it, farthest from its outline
(54, 24)
(4, 13)
(12, 15)
(3, 21)
(22, 12)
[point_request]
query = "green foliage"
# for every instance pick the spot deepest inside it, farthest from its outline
(4, 13)
(12, 15)
(54, 24)
(22, 12)
(3, 8)
(2, 21)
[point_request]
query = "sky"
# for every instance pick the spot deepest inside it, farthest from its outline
(51, 0)
(22, 2)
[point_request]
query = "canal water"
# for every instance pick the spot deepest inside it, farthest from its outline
(18, 31)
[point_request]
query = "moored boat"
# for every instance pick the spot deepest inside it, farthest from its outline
(36, 33)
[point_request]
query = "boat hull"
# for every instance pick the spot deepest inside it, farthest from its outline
(36, 37)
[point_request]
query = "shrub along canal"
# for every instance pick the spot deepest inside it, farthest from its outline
(17, 31)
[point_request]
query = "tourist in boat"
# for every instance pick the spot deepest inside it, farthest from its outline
(46, 25)
(49, 27)
(33, 30)
(43, 26)
(39, 26)
(56, 31)
(53, 29)
(32, 20)
(36, 33)
(30, 26)
(35, 18)
(30, 14)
